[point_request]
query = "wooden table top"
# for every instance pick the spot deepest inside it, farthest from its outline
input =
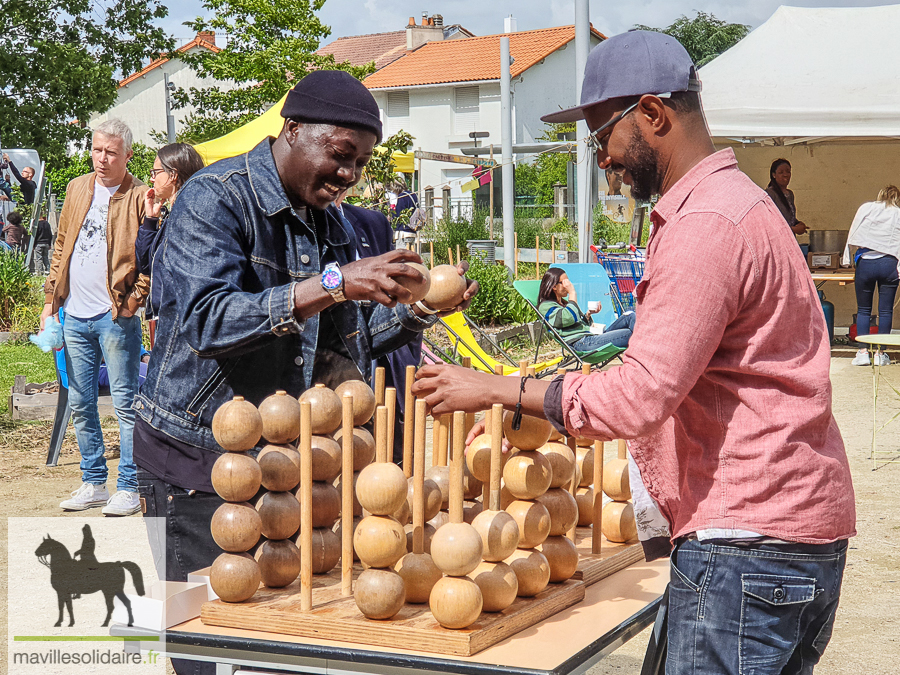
(874, 339)
(837, 275)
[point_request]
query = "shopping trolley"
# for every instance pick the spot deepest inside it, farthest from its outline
(625, 272)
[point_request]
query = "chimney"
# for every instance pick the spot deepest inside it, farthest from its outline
(438, 20)
(412, 21)
(509, 24)
(207, 36)
(431, 28)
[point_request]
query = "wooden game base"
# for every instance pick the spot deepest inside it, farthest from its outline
(612, 557)
(334, 617)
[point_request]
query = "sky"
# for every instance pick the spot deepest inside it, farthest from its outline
(358, 17)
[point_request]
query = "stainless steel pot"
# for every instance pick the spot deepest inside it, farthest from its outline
(827, 241)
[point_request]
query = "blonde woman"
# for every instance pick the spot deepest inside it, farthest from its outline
(875, 234)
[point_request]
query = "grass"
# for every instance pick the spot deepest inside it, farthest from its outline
(22, 359)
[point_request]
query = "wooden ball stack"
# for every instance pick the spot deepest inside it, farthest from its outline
(617, 521)
(236, 477)
(431, 492)
(527, 475)
(559, 550)
(456, 601)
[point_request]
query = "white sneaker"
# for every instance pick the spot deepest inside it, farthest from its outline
(882, 359)
(123, 503)
(861, 358)
(87, 496)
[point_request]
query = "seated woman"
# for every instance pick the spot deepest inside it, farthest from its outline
(557, 303)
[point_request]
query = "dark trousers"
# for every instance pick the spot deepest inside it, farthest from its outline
(185, 545)
(881, 272)
(752, 610)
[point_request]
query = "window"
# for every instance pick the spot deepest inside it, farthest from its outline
(397, 111)
(466, 110)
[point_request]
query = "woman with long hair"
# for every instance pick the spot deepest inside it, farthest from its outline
(777, 189)
(174, 164)
(558, 304)
(875, 233)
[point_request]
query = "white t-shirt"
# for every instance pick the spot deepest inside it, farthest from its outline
(88, 269)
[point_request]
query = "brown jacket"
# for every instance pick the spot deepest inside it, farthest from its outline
(126, 211)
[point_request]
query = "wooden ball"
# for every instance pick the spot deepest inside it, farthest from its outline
(456, 602)
(237, 426)
(234, 577)
(617, 522)
(532, 571)
(506, 497)
(280, 465)
(429, 535)
(527, 474)
(532, 434)
(433, 497)
(563, 510)
(584, 457)
(326, 409)
(498, 583)
(326, 549)
(478, 458)
(447, 287)
(440, 476)
(379, 593)
(379, 541)
(533, 520)
(472, 487)
(420, 574)
(471, 511)
(556, 436)
(279, 562)
(441, 519)
(363, 447)
(418, 289)
(279, 513)
(338, 532)
(616, 481)
(456, 549)
(363, 400)
(236, 477)
(326, 504)
(381, 488)
(576, 478)
(326, 459)
(357, 509)
(499, 534)
(583, 442)
(280, 415)
(403, 515)
(235, 527)
(562, 462)
(584, 498)
(562, 556)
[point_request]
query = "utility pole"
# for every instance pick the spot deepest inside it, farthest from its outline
(506, 154)
(585, 155)
(170, 118)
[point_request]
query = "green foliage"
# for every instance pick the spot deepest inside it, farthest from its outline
(25, 209)
(271, 47)
(380, 172)
(61, 60)
(538, 178)
(142, 162)
(448, 234)
(497, 301)
(22, 359)
(704, 37)
(78, 164)
(15, 288)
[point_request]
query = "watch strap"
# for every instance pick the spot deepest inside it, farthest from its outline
(427, 310)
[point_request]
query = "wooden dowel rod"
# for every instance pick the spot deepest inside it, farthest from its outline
(409, 402)
(381, 434)
(552, 250)
(498, 369)
(456, 468)
(431, 251)
(390, 402)
(470, 417)
(458, 256)
(443, 433)
(496, 430)
(450, 255)
(379, 386)
(306, 506)
(531, 371)
(623, 449)
(523, 367)
(585, 368)
(597, 509)
(347, 497)
(419, 478)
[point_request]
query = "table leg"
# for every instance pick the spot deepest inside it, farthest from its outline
(874, 410)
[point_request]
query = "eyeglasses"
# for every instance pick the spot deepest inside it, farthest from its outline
(155, 172)
(594, 141)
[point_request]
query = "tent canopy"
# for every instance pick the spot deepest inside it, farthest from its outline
(247, 137)
(809, 73)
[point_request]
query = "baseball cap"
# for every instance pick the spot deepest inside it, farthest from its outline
(632, 64)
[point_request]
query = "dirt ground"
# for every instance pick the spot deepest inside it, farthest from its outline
(866, 636)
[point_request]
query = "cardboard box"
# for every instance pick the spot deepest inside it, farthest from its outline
(166, 604)
(202, 577)
(823, 261)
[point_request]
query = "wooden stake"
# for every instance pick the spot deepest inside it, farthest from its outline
(450, 255)
(390, 402)
(306, 506)
(585, 368)
(623, 449)
(531, 370)
(456, 468)
(498, 369)
(443, 438)
(458, 256)
(379, 386)
(597, 510)
(496, 454)
(381, 434)
(347, 497)
(523, 367)
(418, 514)
(552, 250)
(409, 402)
(431, 250)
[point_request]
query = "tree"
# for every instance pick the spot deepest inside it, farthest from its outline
(60, 61)
(79, 163)
(538, 178)
(271, 47)
(380, 172)
(704, 37)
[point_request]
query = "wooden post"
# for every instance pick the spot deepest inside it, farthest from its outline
(552, 250)
(306, 506)
(470, 417)
(408, 422)
(458, 256)
(379, 386)
(450, 255)
(456, 468)
(431, 259)
(537, 256)
(523, 367)
(496, 431)
(347, 497)
(381, 434)
(418, 514)
(597, 506)
(623, 449)
(498, 369)
(390, 402)
(443, 439)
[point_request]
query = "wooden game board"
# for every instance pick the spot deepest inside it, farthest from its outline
(612, 557)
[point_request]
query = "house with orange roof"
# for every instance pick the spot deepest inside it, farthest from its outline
(140, 101)
(443, 91)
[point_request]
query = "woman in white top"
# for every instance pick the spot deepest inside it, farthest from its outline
(875, 234)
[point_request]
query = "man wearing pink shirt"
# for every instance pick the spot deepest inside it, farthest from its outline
(724, 391)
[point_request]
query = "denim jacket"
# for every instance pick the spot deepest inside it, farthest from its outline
(233, 251)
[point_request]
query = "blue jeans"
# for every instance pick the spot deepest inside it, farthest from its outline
(752, 610)
(869, 273)
(617, 333)
(119, 343)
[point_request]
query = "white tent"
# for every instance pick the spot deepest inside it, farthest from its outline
(809, 74)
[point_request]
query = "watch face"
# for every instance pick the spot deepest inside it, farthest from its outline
(332, 279)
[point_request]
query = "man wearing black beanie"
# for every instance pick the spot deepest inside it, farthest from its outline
(263, 293)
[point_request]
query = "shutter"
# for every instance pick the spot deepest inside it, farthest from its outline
(397, 111)
(466, 110)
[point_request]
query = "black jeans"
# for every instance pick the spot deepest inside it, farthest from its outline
(869, 273)
(186, 545)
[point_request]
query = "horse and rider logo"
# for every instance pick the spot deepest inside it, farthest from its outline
(72, 576)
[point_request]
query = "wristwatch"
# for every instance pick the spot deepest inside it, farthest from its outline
(333, 281)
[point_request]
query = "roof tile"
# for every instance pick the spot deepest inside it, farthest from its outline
(196, 42)
(382, 48)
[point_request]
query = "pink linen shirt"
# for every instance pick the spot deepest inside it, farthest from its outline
(725, 385)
